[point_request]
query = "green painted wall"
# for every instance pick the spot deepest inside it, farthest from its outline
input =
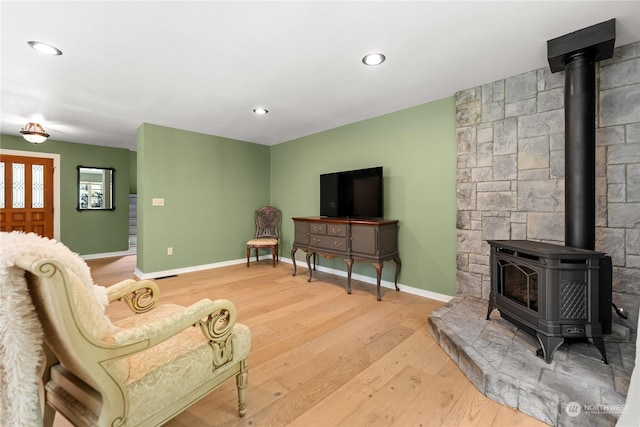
(90, 232)
(211, 187)
(417, 149)
(133, 172)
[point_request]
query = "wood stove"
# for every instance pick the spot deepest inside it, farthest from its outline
(552, 292)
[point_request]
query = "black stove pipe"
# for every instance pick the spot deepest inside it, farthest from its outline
(576, 53)
(580, 151)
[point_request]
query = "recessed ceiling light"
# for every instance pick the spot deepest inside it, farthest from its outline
(260, 111)
(373, 59)
(45, 48)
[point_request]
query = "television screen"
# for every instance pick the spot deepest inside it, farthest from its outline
(352, 194)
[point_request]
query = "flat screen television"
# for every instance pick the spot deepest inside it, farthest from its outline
(352, 194)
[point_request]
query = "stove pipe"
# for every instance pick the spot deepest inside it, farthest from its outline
(576, 54)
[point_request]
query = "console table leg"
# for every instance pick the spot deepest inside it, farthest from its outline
(378, 267)
(293, 259)
(398, 267)
(309, 254)
(349, 263)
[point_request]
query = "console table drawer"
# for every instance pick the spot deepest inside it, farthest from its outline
(337, 230)
(318, 228)
(338, 244)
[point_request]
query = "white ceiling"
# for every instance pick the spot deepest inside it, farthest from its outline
(204, 65)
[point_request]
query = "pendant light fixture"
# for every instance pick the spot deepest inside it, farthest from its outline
(34, 133)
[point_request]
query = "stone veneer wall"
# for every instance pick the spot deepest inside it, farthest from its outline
(510, 181)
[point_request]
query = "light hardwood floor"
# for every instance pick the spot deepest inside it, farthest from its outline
(320, 357)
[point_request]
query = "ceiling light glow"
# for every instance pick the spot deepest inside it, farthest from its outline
(45, 48)
(260, 111)
(373, 59)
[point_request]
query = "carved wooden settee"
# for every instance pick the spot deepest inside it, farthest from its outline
(141, 370)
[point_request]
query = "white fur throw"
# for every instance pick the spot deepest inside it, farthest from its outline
(20, 331)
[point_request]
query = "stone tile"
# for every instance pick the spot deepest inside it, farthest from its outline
(544, 408)
(633, 183)
(522, 86)
(551, 99)
(617, 106)
(556, 165)
(608, 240)
(548, 80)
(469, 113)
(621, 379)
(560, 384)
(545, 226)
(521, 108)
(494, 185)
(619, 74)
(495, 228)
(473, 366)
(471, 309)
(633, 133)
(466, 137)
(505, 137)
(533, 153)
(484, 133)
(541, 124)
(625, 215)
(533, 174)
(541, 196)
(493, 111)
(610, 135)
(468, 95)
(633, 242)
(502, 388)
(624, 153)
(469, 283)
(499, 200)
(579, 365)
(484, 154)
(505, 167)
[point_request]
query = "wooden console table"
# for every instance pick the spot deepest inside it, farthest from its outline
(352, 240)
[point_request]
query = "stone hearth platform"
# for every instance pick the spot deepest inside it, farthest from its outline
(500, 360)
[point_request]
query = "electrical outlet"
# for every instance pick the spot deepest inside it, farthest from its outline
(169, 250)
(157, 202)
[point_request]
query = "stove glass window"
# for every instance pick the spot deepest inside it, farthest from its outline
(519, 283)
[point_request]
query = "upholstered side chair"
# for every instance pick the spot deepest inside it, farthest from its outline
(267, 221)
(138, 371)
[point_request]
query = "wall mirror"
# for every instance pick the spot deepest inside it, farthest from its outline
(95, 188)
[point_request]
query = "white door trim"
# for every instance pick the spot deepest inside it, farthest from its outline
(56, 182)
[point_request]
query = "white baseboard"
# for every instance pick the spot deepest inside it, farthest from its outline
(130, 251)
(366, 279)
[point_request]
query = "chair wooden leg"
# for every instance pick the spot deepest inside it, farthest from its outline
(248, 255)
(242, 379)
(48, 415)
(274, 252)
(257, 254)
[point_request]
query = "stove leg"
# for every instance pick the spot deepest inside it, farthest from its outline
(489, 309)
(549, 346)
(599, 343)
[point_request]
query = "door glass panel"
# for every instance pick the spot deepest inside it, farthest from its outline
(18, 185)
(1, 185)
(37, 186)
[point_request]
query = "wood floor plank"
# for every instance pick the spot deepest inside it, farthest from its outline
(321, 357)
